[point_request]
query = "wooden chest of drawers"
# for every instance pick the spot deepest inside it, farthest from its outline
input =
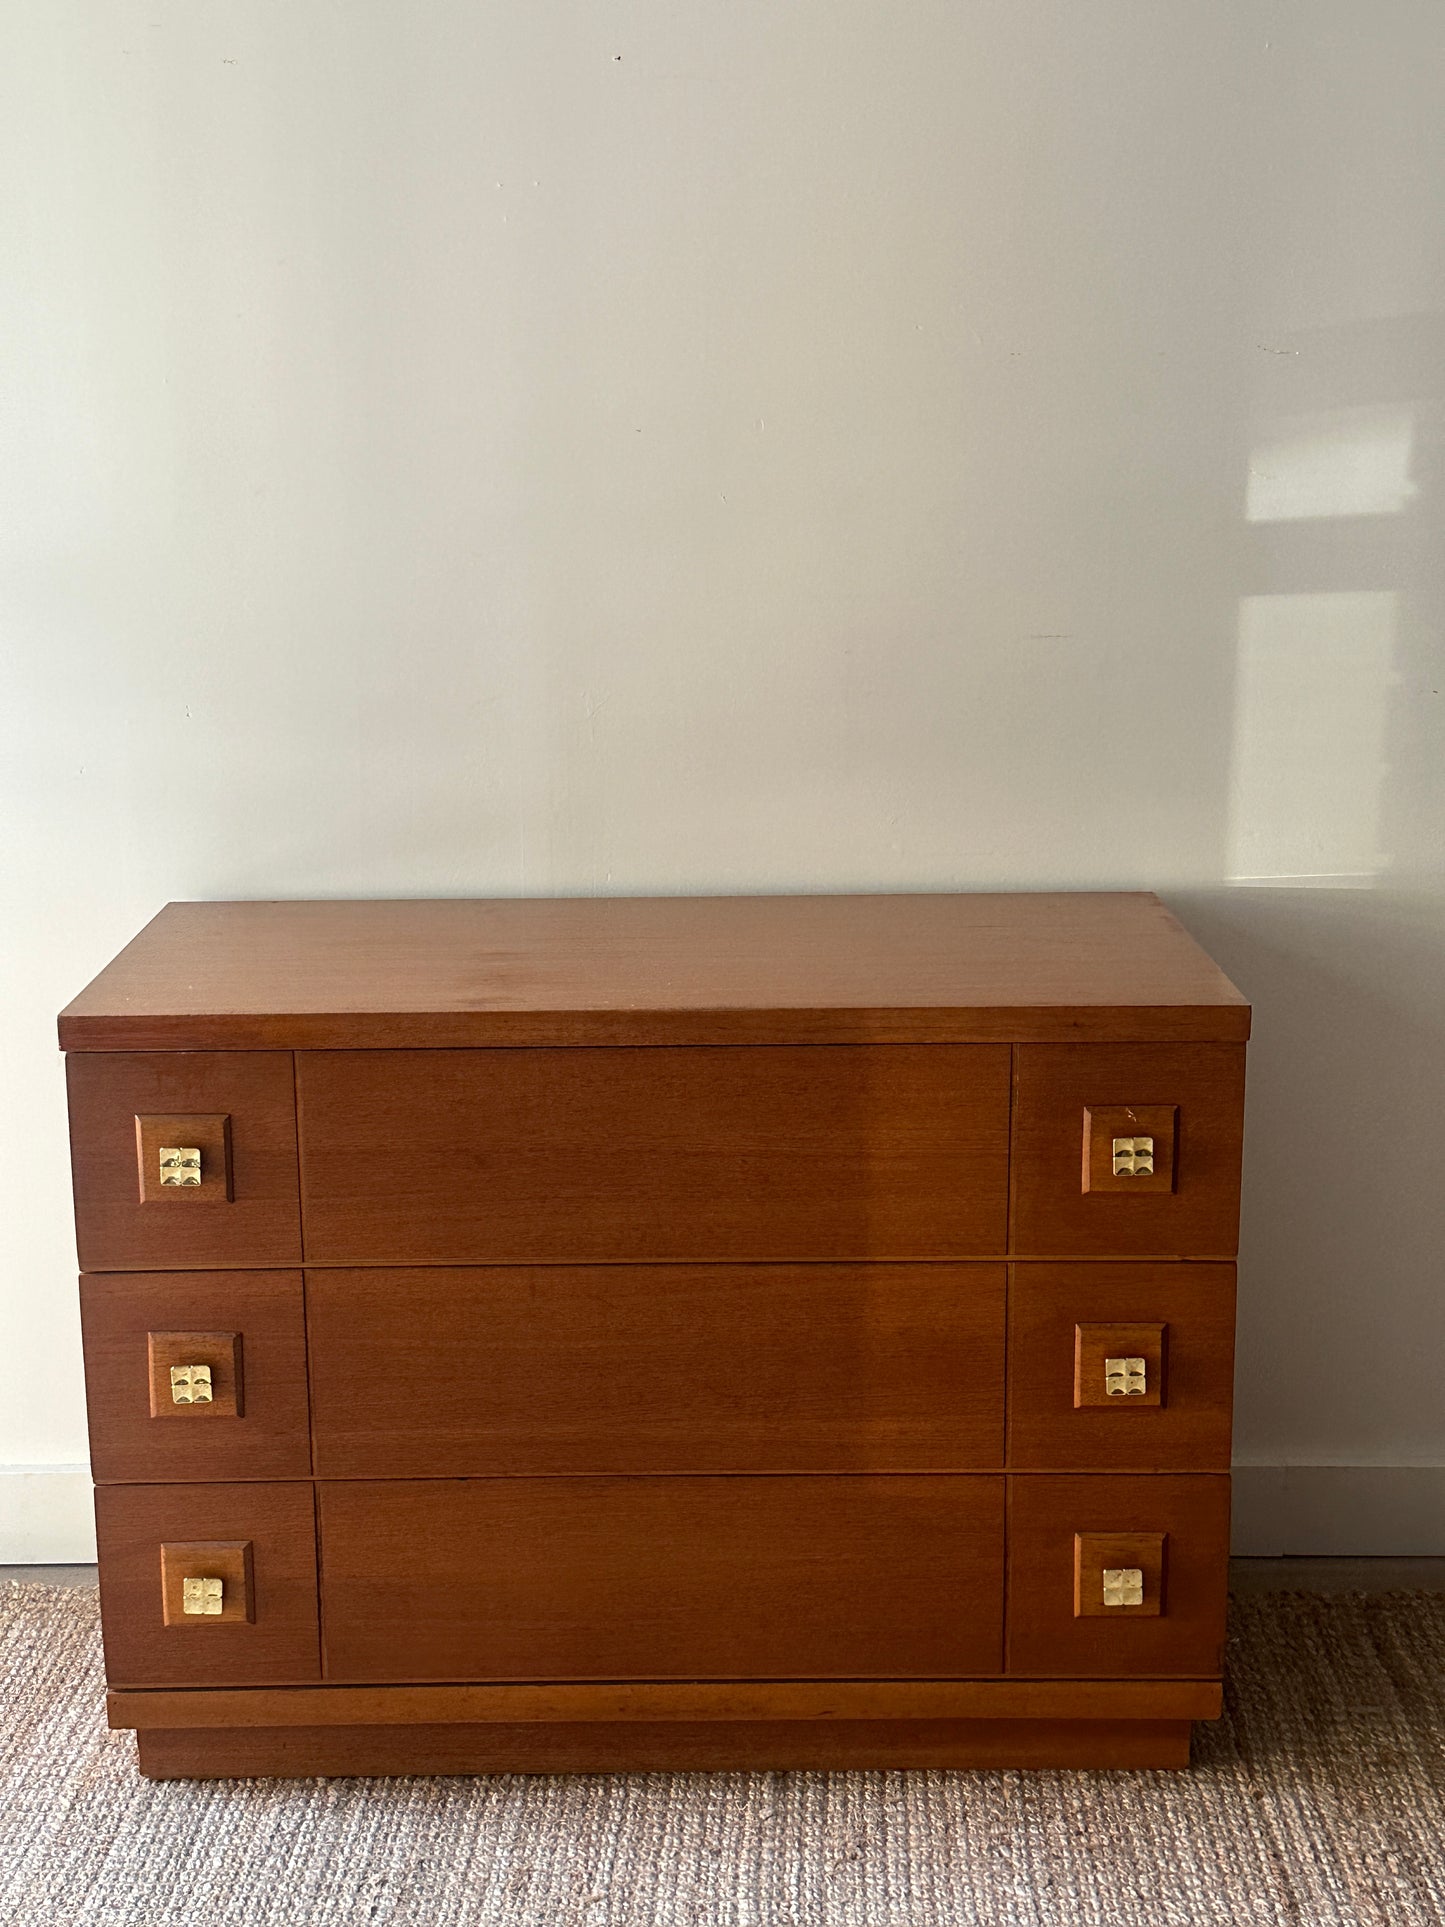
(659, 1333)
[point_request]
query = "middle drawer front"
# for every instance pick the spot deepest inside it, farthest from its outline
(1120, 1367)
(703, 1578)
(509, 1156)
(452, 1372)
(662, 1368)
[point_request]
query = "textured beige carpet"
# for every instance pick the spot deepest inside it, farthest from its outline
(1319, 1800)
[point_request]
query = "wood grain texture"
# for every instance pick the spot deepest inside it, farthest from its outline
(1056, 1084)
(199, 1753)
(269, 1440)
(259, 1224)
(850, 1699)
(458, 1157)
(1188, 1432)
(278, 1646)
(665, 1368)
(1044, 1635)
(662, 970)
(746, 1578)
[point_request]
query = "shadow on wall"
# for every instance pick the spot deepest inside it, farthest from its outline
(1336, 825)
(1342, 1319)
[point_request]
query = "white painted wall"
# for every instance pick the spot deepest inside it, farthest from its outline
(514, 446)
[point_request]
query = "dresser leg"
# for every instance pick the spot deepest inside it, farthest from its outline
(207, 1753)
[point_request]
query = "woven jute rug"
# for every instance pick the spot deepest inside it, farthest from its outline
(1319, 1799)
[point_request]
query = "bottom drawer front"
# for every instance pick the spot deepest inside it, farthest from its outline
(208, 1585)
(1112, 1577)
(495, 1579)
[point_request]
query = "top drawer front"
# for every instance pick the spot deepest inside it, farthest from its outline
(237, 1109)
(486, 1156)
(1128, 1150)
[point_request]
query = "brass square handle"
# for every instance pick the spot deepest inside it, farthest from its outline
(1126, 1377)
(180, 1164)
(194, 1377)
(1133, 1157)
(191, 1385)
(1123, 1586)
(203, 1593)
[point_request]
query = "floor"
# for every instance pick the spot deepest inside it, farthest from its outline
(49, 1575)
(1336, 1575)
(1245, 1575)
(1316, 1800)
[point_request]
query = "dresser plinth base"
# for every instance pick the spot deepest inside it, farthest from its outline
(301, 1752)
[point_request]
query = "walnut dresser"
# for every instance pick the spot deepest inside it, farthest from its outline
(588, 1335)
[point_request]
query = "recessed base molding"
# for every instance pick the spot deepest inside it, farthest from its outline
(634, 1746)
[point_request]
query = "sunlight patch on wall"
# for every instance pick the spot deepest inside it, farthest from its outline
(1312, 694)
(1349, 461)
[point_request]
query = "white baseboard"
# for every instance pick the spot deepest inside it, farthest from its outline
(1341, 1511)
(1361, 1511)
(46, 1516)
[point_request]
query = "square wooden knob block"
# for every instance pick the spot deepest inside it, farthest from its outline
(194, 1375)
(1130, 1148)
(191, 1570)
(1118, 1574)
(183, 1158)
(1119, 1366)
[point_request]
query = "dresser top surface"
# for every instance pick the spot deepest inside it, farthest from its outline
(657, 970)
